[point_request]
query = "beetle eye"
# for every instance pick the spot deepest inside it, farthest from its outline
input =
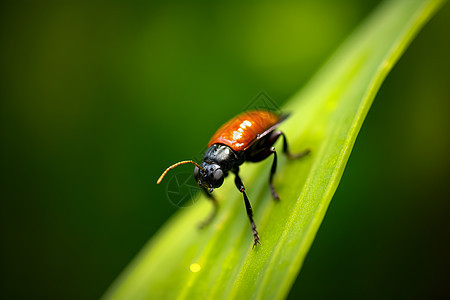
(217, 178)
(196, 170)
(218, 174)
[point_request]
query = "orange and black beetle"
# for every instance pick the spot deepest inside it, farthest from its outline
(248, 137)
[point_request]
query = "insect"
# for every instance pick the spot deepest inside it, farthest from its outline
(248, 137)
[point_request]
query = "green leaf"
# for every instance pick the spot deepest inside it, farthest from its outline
(326, 118)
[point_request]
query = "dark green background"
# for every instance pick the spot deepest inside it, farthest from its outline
(98, 98)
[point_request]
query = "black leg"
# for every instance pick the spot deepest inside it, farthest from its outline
(214, 211)
(264, 149)
(288, 153)
(248, 207)
(272, 172)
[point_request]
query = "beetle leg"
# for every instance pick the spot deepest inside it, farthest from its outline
(272, 138)
(272, 172)
(248, 207)
(288, 153)
(215, 203)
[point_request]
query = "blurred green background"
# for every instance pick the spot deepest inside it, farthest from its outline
(97, 98)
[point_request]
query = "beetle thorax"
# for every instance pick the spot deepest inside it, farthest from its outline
(217, 162)
(221, 155)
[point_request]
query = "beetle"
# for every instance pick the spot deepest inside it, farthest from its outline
(248, 137)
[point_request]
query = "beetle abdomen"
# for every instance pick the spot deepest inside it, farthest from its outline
(241, 131)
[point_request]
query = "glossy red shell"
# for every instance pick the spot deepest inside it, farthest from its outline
(240, 132)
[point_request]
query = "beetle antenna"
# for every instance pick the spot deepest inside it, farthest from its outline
(176, 165)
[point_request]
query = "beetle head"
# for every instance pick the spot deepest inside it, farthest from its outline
(210, 177)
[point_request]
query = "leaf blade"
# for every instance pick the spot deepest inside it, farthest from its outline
(335, 102)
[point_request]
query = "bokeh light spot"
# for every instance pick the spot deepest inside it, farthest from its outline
(195, 267)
